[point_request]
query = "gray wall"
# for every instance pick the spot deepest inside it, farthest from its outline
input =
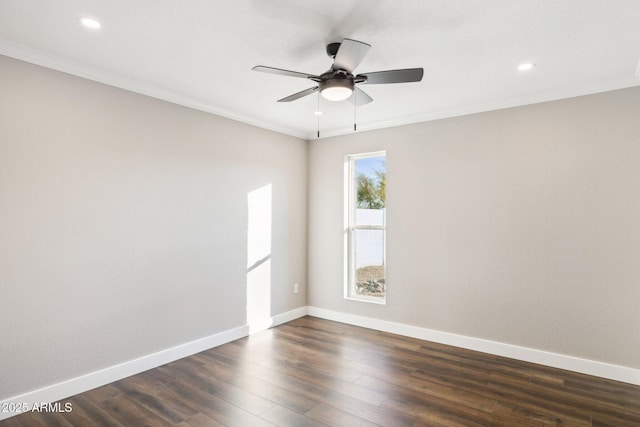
(123, 224)
(520, 226)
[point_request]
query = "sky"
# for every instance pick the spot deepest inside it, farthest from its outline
(368, 165)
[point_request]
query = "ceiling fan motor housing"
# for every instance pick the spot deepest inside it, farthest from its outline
(332, 49)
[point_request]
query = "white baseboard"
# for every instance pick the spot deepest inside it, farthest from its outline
(555, 360)
(105, 376)
(108, 375)
(288, 316)
(276, 320)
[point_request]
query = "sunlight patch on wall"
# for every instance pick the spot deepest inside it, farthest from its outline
(259, 215)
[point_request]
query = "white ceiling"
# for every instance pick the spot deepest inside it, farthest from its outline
(199, 53)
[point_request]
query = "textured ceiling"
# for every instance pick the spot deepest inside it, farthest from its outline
(199, 53)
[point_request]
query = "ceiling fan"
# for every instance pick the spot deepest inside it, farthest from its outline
(339, 83)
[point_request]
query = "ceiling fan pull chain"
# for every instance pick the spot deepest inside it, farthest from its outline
(318, 114)
(355, 107)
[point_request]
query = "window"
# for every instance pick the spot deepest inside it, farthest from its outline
(365, 218)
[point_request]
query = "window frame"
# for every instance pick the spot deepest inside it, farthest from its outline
(351, 195)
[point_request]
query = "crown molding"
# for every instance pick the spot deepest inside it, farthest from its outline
(37, 57)
(519, 101)
(54, 62)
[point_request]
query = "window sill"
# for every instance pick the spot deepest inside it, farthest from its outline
(371, 300)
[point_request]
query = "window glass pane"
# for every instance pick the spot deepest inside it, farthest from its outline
(370, 187)
(369, 262)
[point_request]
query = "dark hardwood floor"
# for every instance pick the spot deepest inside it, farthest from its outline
(313, 372)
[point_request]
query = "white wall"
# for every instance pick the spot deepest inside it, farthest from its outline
(520, 226)
(123, 224)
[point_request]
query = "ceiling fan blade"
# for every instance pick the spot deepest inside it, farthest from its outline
(282, 72)
(299, 94)
(393, 76)
(350, 55)
(359, 97)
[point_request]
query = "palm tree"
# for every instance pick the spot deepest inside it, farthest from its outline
(381, 189)
(371, 191)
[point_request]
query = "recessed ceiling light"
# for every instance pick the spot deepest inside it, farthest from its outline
(317, 113)
(90, 23)
(526, 66)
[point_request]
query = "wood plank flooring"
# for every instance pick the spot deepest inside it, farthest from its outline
(313, 372)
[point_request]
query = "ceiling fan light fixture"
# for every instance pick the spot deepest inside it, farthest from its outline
(336, 89)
